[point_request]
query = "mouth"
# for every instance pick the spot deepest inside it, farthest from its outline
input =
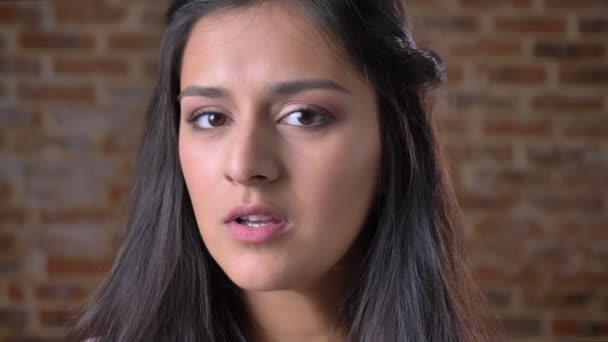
(256, 214)
(255, 223)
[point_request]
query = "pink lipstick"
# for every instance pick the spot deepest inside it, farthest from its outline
(255, 223)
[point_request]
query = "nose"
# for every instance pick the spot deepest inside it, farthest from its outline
(252, 155)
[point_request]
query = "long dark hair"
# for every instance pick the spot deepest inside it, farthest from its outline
(412, 284)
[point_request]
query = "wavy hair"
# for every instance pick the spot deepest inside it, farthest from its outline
(412, 284)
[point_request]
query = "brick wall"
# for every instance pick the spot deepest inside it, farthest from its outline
(524, 119)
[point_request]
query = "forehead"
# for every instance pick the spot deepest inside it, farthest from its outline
(267, 41)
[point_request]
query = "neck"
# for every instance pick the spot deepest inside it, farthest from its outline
(294, 315)
(311, 313)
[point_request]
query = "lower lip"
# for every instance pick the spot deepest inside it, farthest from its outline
(261, 234)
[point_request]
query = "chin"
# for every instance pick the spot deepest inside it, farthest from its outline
(260, 283)
(260, 277)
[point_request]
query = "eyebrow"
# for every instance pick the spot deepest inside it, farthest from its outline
(282, 88)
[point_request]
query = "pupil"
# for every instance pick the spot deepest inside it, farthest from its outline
(216, 120)
(305, 117)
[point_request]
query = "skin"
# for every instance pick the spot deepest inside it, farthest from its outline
(260, 150)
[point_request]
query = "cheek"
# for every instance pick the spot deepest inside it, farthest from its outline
(199, 166)
(340, 182)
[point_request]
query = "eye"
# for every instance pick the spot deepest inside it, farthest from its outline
(307, 117)
(207, 120)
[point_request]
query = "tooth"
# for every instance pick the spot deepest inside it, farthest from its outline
(254, 218)
(251, 224)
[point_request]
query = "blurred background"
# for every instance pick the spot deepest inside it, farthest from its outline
(523, 119)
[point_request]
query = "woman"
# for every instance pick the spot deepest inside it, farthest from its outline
(289, 185)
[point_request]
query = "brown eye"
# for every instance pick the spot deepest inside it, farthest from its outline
(216, 120)
(208, 120)
(307, 118)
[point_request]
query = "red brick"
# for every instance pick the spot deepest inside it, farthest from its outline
(87, 12)
(577, 4)
(12, 216)
(56, 318)
(134, 41)
(57, 93)
(568, 233)
(6, 190)
(528, 276)
(507, 177)
(498, 298)
(498, 202)
(530, 24)
(10, 267)
(569, 103)
(553, 203)
(153, 18)
(60, 292)
(454, 126)
(598, 230)
(521, 74)
(505, 226)
(495, 153)
(487, 48)
(19, 65)
(447, 24)
(151, 69)
(12, 318)
(423, 3)
(118, 193)
(565, 327)
(584, 178)
(29, 144)
(91, 66)
(7, 243)
(472, 100)
(8, 12)
(515, 127)
(593, 25)
(597, 279)
(77, 266)
(31, 338)
(554, 155)
(587, 127)
(485, 4)
(74, 215)
(15, 291)
(48, 40)
(491, 274)
(563, 50)
(118, 144)
(574, 327)
(584, 75)
(14, 15)
(521, 327)
(559, 299)
(455, 74)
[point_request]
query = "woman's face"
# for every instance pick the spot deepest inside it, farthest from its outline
(271, 114)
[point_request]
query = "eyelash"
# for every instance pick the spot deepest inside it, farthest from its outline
(327, 118)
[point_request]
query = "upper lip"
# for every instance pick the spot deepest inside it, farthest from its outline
(253, 209)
